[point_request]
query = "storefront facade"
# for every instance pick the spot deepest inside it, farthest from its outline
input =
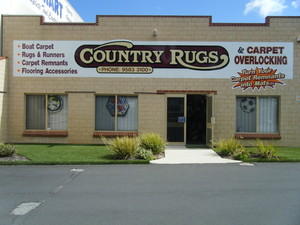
(186, 78)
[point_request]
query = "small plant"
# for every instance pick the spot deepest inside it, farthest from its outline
(228, 147)
(6, 150)
(122, 147)
(231, 147)
(240, 154)
(222, 145)
(153, 142)
(144, 154)
(265, 150)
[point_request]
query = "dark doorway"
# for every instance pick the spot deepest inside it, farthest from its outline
(196, 120)
(175, 109)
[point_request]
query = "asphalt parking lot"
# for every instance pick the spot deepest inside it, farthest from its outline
(211, 194)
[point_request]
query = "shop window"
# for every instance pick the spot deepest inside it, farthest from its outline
(46, 112)
(116, 113)
(257, 114)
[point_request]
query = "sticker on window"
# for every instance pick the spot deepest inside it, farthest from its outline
(122, 106)
(248, 105)
(55, 103)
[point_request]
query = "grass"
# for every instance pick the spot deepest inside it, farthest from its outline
(43, 154)
(284, 154)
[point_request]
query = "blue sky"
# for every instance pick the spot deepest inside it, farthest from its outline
(239, 11)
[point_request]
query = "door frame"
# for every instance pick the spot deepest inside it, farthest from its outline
(210, 117)
(184, 96)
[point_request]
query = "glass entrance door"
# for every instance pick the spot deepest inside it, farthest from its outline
(176, 120)
(196, 120)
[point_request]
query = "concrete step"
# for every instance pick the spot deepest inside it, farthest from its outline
(183, 155)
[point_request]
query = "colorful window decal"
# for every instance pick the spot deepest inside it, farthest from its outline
(55, 103)
(122, 106)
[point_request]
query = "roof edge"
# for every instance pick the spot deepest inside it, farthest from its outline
(266, 23)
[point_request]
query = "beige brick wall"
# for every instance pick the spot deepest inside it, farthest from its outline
(152, 107)
(152, 114)
(81, 117)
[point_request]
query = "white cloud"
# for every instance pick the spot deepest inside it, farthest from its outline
(295, 4)
(266, 7)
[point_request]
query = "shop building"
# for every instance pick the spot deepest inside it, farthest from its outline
(184, 77)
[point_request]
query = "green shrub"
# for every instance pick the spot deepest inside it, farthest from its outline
(231, 147)
(266, 150)
(153, 142)
(240, 154)
(122, 147)
(6, 150)
(222, 145)
(144, 154)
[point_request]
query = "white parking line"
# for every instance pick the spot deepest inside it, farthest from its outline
(56, 190)
(25, 208)
(77, 170)
(246, 164)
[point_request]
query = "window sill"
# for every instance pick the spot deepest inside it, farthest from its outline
(45, 133)
(257, 136)
(115, 134)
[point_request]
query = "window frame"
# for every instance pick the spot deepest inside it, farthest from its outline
(257, 117)
(115, 130)
(27, 130)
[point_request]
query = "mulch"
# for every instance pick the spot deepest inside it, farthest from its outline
(14, 157)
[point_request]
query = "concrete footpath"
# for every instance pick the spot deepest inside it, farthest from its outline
(183, 155)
